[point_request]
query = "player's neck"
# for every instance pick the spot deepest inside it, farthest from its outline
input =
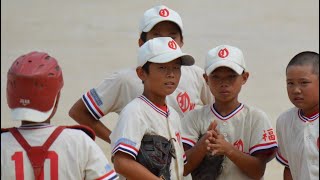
(311, 111)
(225, 108)
(159, 101)
(29, 123)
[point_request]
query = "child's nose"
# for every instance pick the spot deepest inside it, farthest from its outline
(296, 89)
(170, 72)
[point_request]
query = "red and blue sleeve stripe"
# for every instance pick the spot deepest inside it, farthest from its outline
(112, 175)
(92, 105)
(282, 160)
(126, 149)
(188, 141)
(265, 146)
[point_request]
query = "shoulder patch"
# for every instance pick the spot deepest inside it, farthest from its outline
(126, 141)
(95, 96)
(85, 129)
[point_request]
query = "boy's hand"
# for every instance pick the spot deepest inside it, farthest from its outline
(210, 166)
(204, 141)
(218, 145)
(213, 125)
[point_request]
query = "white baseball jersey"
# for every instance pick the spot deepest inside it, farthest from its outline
(116, 91)
(142, 117)
(298, 138)
(247, 128)
(73, 155)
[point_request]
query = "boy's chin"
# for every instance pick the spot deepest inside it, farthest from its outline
(299, 105)
(168, 91)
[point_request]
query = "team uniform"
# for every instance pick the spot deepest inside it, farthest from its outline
(247, 128)
(116, 91)
(298, 138)
(142, 117)
(73, 155)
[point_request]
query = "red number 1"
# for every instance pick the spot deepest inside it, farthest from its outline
(17, 157)
(18, 163)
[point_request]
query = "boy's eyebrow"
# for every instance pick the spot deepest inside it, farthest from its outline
(302, 78)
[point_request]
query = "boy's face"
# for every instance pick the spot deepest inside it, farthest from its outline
(162, 79)
(225, 84)
(166, 29)
(303, 88)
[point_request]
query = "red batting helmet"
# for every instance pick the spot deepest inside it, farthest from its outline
(34, 81)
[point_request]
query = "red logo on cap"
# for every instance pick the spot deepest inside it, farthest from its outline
(223, 53)
(172, 44)
(164, 12)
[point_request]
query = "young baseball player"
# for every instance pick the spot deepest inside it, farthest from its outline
(117, 90)
(298, 128)
(244, 134)
(36, 149)
(159, 68)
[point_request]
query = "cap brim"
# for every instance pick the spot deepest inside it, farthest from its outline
(156, 21)
(32, 115)
(225, 63)
(186, 59)
(26, 114)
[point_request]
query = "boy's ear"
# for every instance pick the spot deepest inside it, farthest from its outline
(182, 43)
(245, 77)
(205, 76)
(140, 42)
(141, 73)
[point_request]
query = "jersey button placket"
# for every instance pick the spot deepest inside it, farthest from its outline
(225, 127)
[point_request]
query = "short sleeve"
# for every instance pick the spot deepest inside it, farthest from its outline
(113, 93)
(263, 136)
(129, 131)
(190, 128)
(281, 155)
(97, 165)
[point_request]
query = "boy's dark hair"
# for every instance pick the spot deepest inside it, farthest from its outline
(146, 66)
(143, 37)
(306, 58)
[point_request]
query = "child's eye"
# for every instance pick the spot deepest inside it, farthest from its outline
(162, 67)
(305, 82)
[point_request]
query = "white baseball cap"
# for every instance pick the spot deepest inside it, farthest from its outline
(225, 56)
(157, 14)
(162, 50)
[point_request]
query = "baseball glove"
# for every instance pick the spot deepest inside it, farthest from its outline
(209, 168)
(155, 154)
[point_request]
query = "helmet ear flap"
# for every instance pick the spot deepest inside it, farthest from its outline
(34, 82)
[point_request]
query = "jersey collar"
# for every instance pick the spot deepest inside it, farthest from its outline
(308, 118)
(230, 115)
(154, 107)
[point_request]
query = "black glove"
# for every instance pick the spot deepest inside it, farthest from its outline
(155, 154)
